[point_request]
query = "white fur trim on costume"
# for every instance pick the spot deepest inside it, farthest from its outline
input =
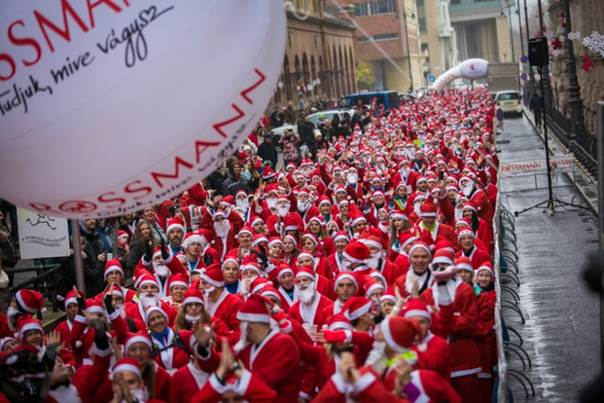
(127, 367)
(418, 312)
(254, 317)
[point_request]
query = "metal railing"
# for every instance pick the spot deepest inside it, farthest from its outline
(501, 359)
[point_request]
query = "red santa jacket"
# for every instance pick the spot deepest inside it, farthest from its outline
(367, 389)
(250, 387)
(457, 322)
(186, 382)
(433, 354)
(226, 308)
(136, 312)
(275, 360)
(485, 335)
(222, 245)
(477, 256)
(313, 314)
(429, 386)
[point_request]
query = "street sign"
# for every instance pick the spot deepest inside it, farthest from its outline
(41, 236)
(431, 78)
(559, 164)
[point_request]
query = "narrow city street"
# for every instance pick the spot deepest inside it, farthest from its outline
(562, 319)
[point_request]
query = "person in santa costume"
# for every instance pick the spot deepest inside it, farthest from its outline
(429, 223)
(219, 302)
(432, 350)
(170, 348)
(128, 382)
(25, 302)
(198, 251)
(114, 274)
(419, 276)
(485, 335)
(231, 274)
(345, 286)
(455, 317)
(310, 307)
(71, 310)
(468, 249)
(175, 230)
(177, 286)
(267, 352)
(148, 296)
(284, 277)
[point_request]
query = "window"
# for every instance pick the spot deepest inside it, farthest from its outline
(374, 8)
(422, 24)
(419, 3)
(424, 48)
(377, 38)
(453, 2)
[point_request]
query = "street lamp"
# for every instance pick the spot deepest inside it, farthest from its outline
(528, 37)
(408, 49)
(574, 90)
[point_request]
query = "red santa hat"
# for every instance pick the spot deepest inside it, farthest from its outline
(70, 298)
(175, 224)
(138, 337)
(112, 265)
(269, 291)
(146, 278)
(398, 333)
(127, 365)
(345, 276)
(428, 209)
(275, 240)
(388, 295)
(341, 235)
(444, 256)
(465, 231)
(122, 235)
(443, 243)
(213, 275)
(281, 270)
(305, 272)
(371, 285)
(178, 279)
(246, 230)
(324, 200)
(29, 300)
(415, 307)
(420, 245)
(191, 238)
(268, 172)
(470, 205)
(254, 310)
(310, 236)
(27, 323)
(230, 260)
(356, 307)
(292, 222)
(339, 322)
(356, 252)
(158, 309)
(486, 266)
(193, 295)
(405, 238)
(114, 289)
(464, 263)
(259, 238)
(356, 218)
(258, 284)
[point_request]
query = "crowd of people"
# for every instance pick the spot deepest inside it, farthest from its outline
(362, 272)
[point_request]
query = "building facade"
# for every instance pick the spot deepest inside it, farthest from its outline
(387, 37)
(319, 61)
(438, 41)
(481, 30)
(587, 16)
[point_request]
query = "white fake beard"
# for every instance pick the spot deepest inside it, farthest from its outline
(282, 211)
(272, 203)
(303, 206)
(192, 318)
(222, 228)
(467, 190)
(242, 343)
(417, 209)
(458, 214)
(139, 395)
(161, 270)
(243, 205)
(305, 296)
(373, 261)
(149, 300)
(404, 172)
(352, 179)
(121, 308)
(206, 293)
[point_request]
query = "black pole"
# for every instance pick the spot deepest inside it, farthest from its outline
(520, 27)
(544, 84)
(528, 37)
(577, 124)
(601, 216)
(408, 49)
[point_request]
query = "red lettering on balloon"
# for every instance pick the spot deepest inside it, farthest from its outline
(246, 91)
(63, 32)
(218, 126)
(24, 42)
(103, 199)
(177, 163)
(130, 189)
(202, 146)
(11, 63)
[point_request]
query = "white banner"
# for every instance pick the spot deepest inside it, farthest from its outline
(42, 236)
(533, 167)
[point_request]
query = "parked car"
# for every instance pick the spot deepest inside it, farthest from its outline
(318, 117)
(277, 132)
(509, 101)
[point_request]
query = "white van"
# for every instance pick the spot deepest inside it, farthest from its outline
(509, 101)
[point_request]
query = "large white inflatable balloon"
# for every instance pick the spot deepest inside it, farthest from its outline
(110, 105)
(472, 69)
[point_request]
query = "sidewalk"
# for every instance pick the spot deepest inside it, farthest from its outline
(561, 333)
(586, 184)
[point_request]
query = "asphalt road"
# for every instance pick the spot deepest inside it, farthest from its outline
(561, 333)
